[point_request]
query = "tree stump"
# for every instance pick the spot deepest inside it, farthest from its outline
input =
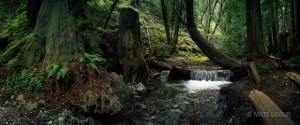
(270, 113)
(293, 76)
(134, 67)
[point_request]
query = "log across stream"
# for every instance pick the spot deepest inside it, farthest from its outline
(195, 101)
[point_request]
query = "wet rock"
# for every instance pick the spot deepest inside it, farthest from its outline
(32, 105)
(105, 82)
(28, 105)
(100, 102)
(59, 117)
(154, 75)
(140, 87)
(21, 100)
(91, 121)
(164, 75)
(172, 117)
(120, 89)
(12, 97)
(61, 121)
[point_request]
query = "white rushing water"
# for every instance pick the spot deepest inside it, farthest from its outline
(212, 75)
(207, 80)
(194, 86)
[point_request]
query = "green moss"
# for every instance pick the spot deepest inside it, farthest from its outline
(174, 59)
(191, 59)
(197, 59)
(12, 106)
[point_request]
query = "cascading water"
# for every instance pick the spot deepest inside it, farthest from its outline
(213, 75)
(207, 80)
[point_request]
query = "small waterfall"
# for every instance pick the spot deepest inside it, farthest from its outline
(212, 75)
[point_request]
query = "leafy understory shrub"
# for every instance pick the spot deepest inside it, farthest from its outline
(161, 49)
(92, 60)
(262, 69)
(25, 80)
(60, 73)
(295, 59)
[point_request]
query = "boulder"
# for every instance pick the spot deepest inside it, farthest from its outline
(164, 75)
(120, 89)
(100, 102)
(28, 105)
(140, 87)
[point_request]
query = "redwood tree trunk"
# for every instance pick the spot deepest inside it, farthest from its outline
(293, 27)
(255, 44)
(298, 27)
(33, 8)
(210, 51)
(274, 17)
(56, 38)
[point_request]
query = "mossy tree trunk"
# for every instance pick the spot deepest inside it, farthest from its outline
(56, 37)
(134, 67)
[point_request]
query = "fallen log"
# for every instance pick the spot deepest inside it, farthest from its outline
(269, 112)
(293, 76)
(159, 65)
(179, 73)
(288, 65)
(274, 58)
(254, 72)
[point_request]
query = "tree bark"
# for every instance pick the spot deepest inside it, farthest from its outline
(110, 12)
(33, 8)
(165, 18)
(255, 44)
(276, 26)
(270, 47)
(134, 67)
(285, 15)
(293, 28)
(210, 51)
(275, 31)
(177, 26)
(56, 38)
(298, 27)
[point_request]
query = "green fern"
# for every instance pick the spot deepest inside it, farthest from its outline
(60, 73)
(54, 69)
(93, 60)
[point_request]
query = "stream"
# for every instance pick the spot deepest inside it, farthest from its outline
(194, 101)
